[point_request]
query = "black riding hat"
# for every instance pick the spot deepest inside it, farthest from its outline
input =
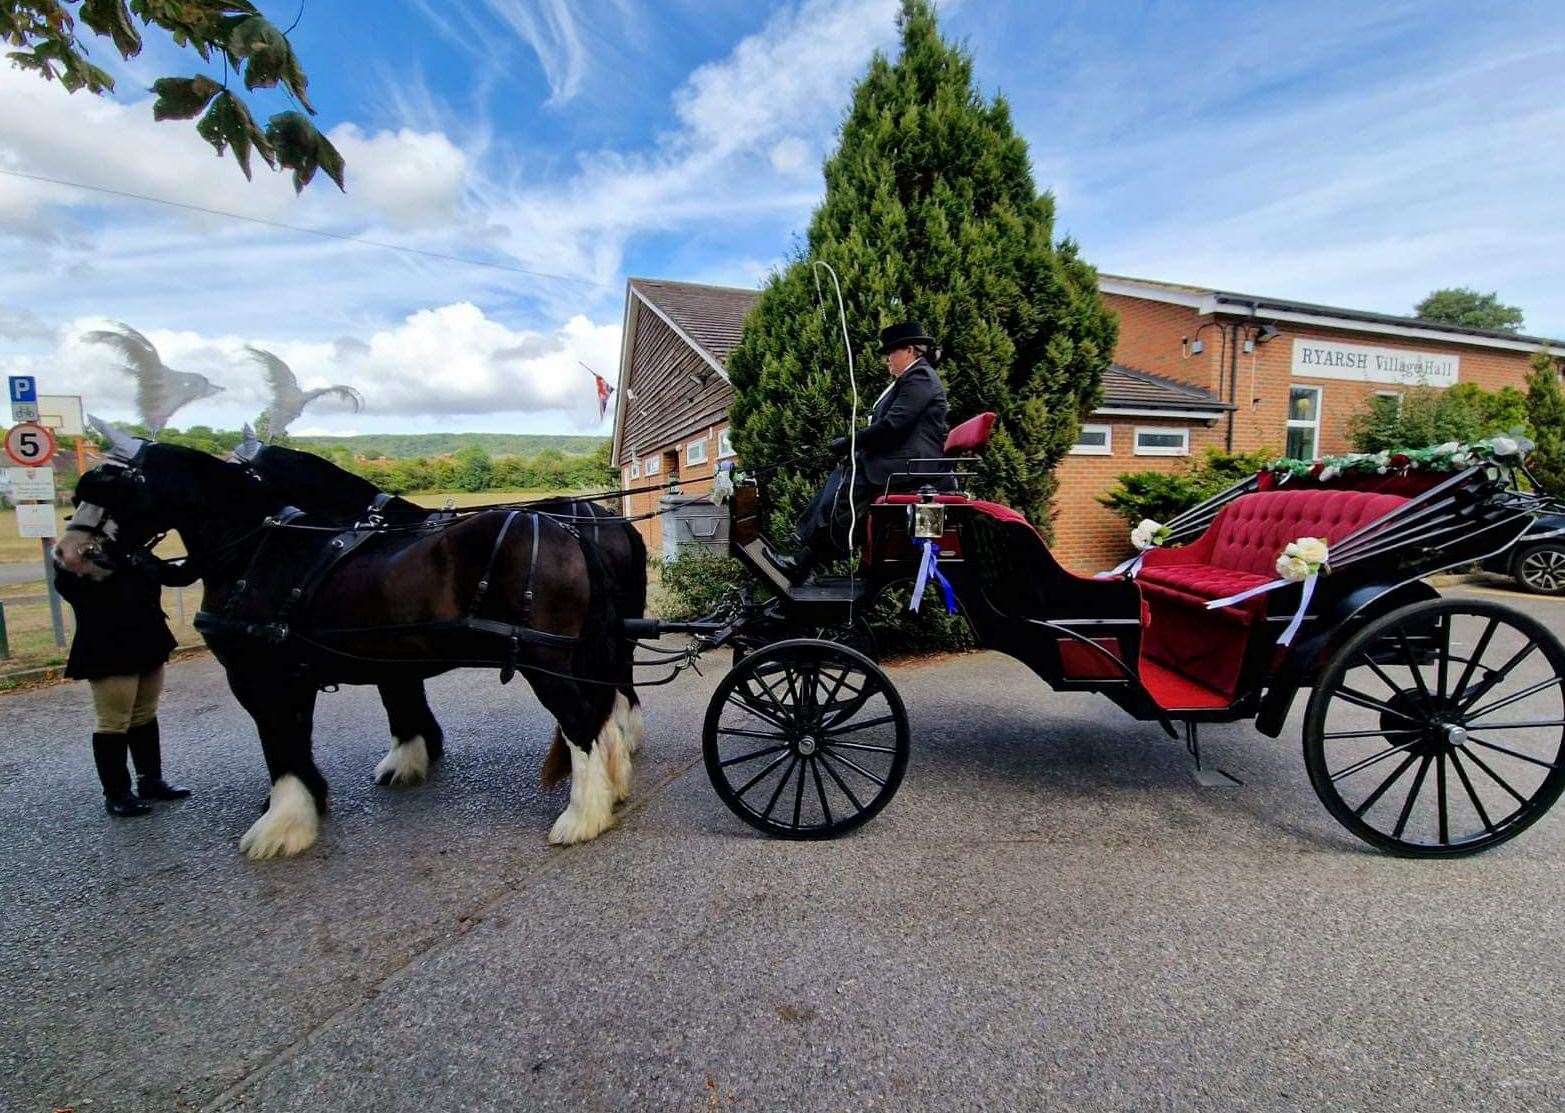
(902, 336)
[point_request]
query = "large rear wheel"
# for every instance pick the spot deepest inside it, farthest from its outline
(806, 739)
(1439, 729)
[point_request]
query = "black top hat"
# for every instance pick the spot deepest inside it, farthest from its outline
(904, 335)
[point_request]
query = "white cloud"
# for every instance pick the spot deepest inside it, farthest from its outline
(447, 361)
(409, 177)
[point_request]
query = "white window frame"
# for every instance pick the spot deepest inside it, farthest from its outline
(1397, 394)
(654, 464)
(1300, 423)
(1162, 450)
(691, 459)
(635, 469)
(725, 444)
(1104, 449)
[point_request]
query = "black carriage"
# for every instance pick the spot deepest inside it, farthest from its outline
(1434, 726)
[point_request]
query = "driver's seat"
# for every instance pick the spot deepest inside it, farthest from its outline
(969, 438)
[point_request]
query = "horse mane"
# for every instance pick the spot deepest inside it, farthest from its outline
(320, 487)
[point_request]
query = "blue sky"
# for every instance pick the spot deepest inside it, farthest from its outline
(1337, 152)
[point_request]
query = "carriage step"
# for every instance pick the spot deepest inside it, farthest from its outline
(822, 589)
(1216, 778)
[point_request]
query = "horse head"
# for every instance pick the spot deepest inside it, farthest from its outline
(320, 487)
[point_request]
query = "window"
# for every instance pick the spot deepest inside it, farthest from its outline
(695, 452)
(725, 445)
(1162, 442)
(1094, 440)
(1393, 400)
(635, 469)
(653, 463)
(1304, 422)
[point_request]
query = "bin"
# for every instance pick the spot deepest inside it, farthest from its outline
(693, 522)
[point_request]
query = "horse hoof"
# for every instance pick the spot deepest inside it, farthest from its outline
(290, 825)
(406, 763)
(574, 826)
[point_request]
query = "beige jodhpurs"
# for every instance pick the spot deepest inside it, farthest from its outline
(122, 702)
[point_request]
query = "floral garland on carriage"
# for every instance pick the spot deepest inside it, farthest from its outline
(1500, 453)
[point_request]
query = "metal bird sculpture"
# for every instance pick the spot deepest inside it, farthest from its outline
(160, 390)
(288, 400)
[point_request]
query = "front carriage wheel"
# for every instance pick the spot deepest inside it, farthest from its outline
(1439, 729)
(806, 739)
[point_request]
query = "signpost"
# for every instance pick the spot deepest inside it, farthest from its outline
(31, 446)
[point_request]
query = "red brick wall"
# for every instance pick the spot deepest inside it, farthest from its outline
(694, 479)
(1152, 336)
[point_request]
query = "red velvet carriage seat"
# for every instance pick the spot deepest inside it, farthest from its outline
(1190, 656)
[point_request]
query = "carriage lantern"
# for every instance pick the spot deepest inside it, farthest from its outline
(929, 517)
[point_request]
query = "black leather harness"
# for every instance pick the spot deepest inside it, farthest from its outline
(288, 625)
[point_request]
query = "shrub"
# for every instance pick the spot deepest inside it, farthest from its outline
(1163, 495)
(695, 583)
(1426, 416)
(1546, 415)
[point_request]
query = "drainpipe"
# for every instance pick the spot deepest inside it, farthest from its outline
(1233, 372)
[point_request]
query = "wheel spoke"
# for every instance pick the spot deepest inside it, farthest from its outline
(1478, 652)
(861, 746)
(1497, 677)
(880, 721)
(1380, 672)
(846, 791)
(820, 790)
(1412, 666)
(798, 796)
(1373, 759)
(765, 716)
(1513, 753)
(750, 756)
(737, 733)
(773, 697)
(1412, 796)
(759, 777)
(1445, 820)
(786, 777)
(1488, 727)
(1530, 690)
(1456, 763)
(860, 770)
(1354, 696)
(1386, 733)
(1442, 674)
(1373, 797)
(1496, 778)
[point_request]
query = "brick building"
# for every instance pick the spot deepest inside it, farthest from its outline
(1195, 368)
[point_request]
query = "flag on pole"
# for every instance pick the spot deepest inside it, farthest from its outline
(604, 390)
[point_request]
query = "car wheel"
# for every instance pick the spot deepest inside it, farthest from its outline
(1541, 568)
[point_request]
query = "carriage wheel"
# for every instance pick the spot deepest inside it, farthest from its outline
(806, 739)
(1439, 729)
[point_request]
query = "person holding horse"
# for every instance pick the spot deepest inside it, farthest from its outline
(121, 644)
(907, 423)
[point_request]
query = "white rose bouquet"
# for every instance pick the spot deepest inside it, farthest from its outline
(1302, 559)
(1149, 534)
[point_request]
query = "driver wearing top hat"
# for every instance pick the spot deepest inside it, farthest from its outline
(907, 423)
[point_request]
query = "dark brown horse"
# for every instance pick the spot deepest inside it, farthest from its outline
(328, 492)
(287, 615)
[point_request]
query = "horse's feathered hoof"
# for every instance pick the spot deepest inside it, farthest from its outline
(290, 825)
(406, 763)
(575, 826)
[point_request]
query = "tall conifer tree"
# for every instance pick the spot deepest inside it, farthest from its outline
(931, 212)
(1546, 415)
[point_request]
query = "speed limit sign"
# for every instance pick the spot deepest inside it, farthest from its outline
(30, 445)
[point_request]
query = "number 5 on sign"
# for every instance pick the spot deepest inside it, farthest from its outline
(30, 445)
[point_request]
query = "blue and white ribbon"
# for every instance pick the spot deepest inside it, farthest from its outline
(929, 567)
(1305, 596)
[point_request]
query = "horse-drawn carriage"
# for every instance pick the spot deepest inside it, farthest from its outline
(1433, 727)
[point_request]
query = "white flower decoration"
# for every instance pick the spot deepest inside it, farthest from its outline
(1310, 549)
(1147, 535)
(1505, 446)
(1292, 568)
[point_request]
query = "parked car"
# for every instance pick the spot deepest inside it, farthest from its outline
(1537, 561)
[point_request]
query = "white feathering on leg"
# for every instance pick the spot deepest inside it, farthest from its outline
(406, 763)
(290, 825)
(635, 727)
(591, 810)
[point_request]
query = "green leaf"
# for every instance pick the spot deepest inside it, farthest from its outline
(228, 123)
(182, 98)
(268, 57)
(112, 18)
(303, 149)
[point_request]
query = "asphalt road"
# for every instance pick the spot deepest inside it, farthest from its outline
(1051, 915)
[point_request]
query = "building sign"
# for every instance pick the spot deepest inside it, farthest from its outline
(1326, 359)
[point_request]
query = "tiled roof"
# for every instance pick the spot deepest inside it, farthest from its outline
(1126, 387)
(712, 316)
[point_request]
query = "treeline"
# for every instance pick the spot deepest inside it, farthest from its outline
(472, 468)
(397, 446)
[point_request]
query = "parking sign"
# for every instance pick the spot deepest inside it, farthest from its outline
(24, 398)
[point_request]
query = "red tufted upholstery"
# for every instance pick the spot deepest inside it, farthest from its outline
(1188, 650)
(969, 438)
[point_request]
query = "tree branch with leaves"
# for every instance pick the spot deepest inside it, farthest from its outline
(46, 35)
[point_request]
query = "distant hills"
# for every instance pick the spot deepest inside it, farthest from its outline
(403, 446)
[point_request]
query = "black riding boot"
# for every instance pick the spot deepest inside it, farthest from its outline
(108, 754)
(147, 752)
(796, 566)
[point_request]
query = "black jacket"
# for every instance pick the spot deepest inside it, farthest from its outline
(120, 625)
(908, 423)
